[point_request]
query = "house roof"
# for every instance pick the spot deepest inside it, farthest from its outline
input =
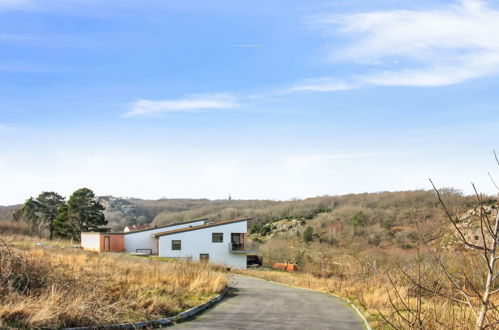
(138, 227)
(208, 225)
(99, 233)
(165, 226)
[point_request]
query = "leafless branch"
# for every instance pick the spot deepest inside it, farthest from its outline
(454, 223)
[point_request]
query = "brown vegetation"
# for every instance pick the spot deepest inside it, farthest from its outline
(362, 247)
(365, 280)
(58, 287)
(14, 228)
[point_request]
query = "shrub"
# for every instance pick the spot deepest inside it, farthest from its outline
(308, 234)
(358, 219)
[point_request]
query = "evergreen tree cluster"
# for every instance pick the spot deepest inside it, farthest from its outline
(50, 212)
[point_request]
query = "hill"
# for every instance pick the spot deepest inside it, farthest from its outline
(7, 211)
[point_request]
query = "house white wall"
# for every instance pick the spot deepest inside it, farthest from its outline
(144, 240)
(199, 241)
(90, 241)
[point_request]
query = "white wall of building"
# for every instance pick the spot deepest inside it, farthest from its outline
(199, 241)
(90, 241)
(144, 239)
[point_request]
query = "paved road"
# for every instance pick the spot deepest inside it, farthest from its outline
(258, 304)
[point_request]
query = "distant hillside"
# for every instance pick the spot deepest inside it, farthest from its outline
(383, 210)
(363, 221)
(7, 211)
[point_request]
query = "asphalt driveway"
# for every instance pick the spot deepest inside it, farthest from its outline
(258, 304)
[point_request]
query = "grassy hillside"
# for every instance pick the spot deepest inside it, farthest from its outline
(56, 286)
(365, 241)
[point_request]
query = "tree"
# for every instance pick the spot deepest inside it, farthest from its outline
(40, 212)
(476, 296)
(82, 213)
(63, 228)
(29, 214)
(48, 204)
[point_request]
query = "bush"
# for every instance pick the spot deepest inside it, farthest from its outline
(406, 239)
(374, 239)
(358, 219)
(308, 234)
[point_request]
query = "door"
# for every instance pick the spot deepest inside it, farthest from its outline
(107, 244)
(235, 239)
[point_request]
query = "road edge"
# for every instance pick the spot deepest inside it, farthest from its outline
(352, 305)
(159, 323)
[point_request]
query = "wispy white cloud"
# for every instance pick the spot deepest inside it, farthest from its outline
(321, 85)
(435, 47)
(191, 103)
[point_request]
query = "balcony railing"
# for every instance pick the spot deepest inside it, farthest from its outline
(244, 247)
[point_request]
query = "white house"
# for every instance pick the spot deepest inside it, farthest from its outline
(144, 241)
(223, 242)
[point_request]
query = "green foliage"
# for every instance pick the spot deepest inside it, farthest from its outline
(266, 229)
(48, 203)
(358, 220)
(63, 228)
(308, 234)
(255, 229)
(81, 214)
(40, 212)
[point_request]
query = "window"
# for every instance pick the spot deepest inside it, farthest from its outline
(176, 244)
(204, 257)
(217, 237)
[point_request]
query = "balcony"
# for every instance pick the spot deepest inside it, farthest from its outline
(247, 247)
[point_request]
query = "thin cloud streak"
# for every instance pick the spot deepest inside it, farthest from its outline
(191, 103)
(320, 85)
(444, 46)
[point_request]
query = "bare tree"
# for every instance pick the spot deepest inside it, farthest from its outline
(464, 291)
(487, 247)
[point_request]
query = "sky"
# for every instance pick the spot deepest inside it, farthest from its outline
(260, 100)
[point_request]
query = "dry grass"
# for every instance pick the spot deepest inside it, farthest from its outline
(369, 288)
(14, 228)
(56, 287)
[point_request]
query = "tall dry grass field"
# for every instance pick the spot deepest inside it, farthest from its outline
(62, 287)
(14, 228)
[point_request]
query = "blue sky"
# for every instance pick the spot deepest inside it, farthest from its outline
(268, 99)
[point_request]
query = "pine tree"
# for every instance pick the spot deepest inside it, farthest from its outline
(63, 228)
(48, 204)
(82, 213)
(40, 212)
